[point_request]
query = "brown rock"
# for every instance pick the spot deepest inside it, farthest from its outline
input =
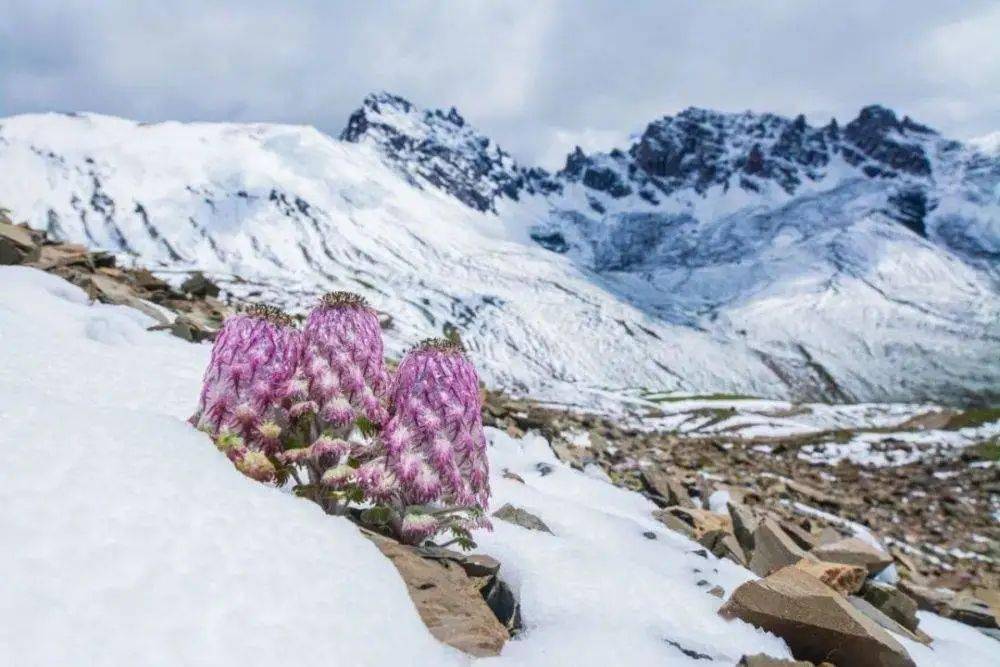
(18, 245)
(667, 487)
(892, 602)
(845, 579)
(815, 622)
(875, 614)
(854, 551)
(799, 535)
(723, 544)
(698, 521)
(773, 549)
(762, 660)
(936, 600)
(744, 525)
(448, 601)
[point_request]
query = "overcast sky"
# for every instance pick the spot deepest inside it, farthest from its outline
(538, 76)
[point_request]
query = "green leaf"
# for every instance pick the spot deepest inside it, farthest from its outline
(376, 516)
(367, 428)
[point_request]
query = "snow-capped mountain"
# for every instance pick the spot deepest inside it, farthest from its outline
(720, 252)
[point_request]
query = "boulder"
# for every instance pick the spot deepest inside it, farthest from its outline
(892, 602)
(799, 535)
(972, 611)
(18, 245)
(667, 489)
(936, 600)
(845, 579)
(854, 551)
(773, 549)
(448, 601)
(884, 621)
(744, 525)
(724, 544)
(199, 285)
(697, 521)
(815, 621)
(521, 517)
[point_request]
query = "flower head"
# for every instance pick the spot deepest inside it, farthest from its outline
(417, 527)
(345, 368)
(254, 360)
(434, 441)
(256, 465)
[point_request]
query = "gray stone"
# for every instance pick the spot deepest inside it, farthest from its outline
(890, 624)
(520, 517)
(894, 603)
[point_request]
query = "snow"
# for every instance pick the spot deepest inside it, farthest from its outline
(137, 543)
(746, 284)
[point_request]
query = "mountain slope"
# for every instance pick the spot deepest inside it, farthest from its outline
(672, 266)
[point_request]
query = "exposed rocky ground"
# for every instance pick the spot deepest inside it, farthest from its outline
(935, 513)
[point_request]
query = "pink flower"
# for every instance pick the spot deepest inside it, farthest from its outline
(254, 360)
(417, 527)
(436, 417)
(345, 367)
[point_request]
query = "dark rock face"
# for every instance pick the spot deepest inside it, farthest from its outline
(874, 132)
(439, 148)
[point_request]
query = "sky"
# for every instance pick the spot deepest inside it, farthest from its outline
(540, 77)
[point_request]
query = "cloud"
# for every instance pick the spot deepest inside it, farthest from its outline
(538, 76)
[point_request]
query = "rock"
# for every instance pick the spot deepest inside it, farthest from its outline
(762, 660)
(199, 285)
(503, 604)
(845, 579)
(674, 523)
(698, 521)
(854, 551)
(717, 591)
(520, 517)
(668, 489)
(723, 544)
(480, 565)
(937, 600)
(744, 525)
(799, 535)
(817, 623)
(186, 328)
(649, 535)
(817, 496)
(972, 611)
(18, 245)
(773, 549)
(447, 599)
(892, 602)
(507, 474)
(890, 624)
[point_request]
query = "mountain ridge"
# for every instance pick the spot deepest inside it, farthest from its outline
(825, 282)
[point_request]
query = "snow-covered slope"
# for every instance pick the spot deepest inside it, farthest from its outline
(737, 253)
(133, 541)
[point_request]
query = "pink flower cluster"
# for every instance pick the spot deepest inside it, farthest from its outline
(280, 401)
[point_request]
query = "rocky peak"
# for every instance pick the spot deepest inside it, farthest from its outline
(883, 139)
(439, 148)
